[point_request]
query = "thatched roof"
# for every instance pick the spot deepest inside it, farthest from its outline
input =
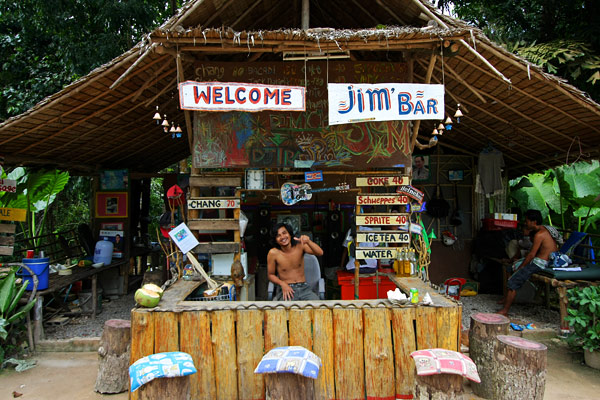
(104, 119)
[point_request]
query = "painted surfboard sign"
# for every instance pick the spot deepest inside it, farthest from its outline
(382, 181)
(213, 203)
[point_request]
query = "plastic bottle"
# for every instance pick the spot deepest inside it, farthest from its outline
(103, 251)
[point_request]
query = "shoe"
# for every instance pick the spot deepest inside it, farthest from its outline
(516, 327)
(530, 326)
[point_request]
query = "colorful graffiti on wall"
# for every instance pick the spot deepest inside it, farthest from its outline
(297, 139)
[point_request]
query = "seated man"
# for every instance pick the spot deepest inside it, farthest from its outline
(544, 243)
(285, 263)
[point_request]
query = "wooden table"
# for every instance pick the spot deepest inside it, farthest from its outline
(57, 282)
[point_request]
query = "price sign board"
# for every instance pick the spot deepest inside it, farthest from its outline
(383, 237)
(382, 181)
(381, 200)
(390, 219)
(378, 253)
(13, 214)
(213, 203)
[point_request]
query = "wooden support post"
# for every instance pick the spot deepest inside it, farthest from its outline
(114, 353)
(173, 388)
(439, 387)
(289, 387)
(482, 337)
(519, 369)
(563, 302)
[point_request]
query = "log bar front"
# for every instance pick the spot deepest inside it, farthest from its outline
(364, 345)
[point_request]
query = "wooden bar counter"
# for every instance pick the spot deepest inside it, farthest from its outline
(364, 345)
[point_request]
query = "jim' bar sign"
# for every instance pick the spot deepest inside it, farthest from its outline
(231, 96)
(353, 102)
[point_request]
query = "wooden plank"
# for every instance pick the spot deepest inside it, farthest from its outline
(379, 354)
(382, 181)
(426, 322)
(383, 237)
(405, 284)
(382, 219)
(194, 337)
(142, 338)
(323, 348)
(214, 224)
(404, 344)
(217, 247)
(448, 327)
(208, 203)
(8, 228)
(7, 240)
(376, 253)
(276, 331)
(348, 353)
(166, 332)
(250, 347)
(224, 349)
(13, 214)
(6, 250)
(382, 199)
(214, 181)
(301, 328)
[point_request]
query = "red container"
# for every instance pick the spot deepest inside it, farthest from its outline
(490, 224)
(367, 288)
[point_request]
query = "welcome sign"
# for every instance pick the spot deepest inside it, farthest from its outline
(353, 102)
(231, 96)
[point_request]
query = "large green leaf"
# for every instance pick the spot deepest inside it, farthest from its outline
(530, 198)
(7, 288)
(544, 183)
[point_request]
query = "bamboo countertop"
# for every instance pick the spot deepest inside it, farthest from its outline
(405, 284)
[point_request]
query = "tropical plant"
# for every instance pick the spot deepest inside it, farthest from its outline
(36, 190)
(584, 306)
(569, 194)
(11, 318)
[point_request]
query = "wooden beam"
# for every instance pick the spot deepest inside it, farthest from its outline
(132, 67)
(213, 181)
(186, 113)
(214, 224)
(266, 15)
(448, 92)
(305, 21)
(168, 86)
(531, 96)
(218, 12)
(149, 82)
(365, 12)
(464, 83)
(248, 10)
(391, 12)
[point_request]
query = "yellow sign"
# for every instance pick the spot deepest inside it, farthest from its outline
(13, 214)
(382, 181)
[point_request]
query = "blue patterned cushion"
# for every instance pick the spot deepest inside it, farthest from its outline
(160, 365)
(290, 359)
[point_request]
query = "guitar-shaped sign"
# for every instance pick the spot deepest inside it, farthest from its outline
(292, 193)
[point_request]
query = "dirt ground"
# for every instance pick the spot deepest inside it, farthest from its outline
(73, 375)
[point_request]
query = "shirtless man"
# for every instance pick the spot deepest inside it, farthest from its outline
(286, 259)
(543, 245)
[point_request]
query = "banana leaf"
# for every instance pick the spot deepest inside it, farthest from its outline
(22, 312)
(7, 287)
(16, 298)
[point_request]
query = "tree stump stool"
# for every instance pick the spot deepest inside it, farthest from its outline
(289, 386)
(482, 337)
(519, 369)
(439, 387)
(114, 350)
(178, 388)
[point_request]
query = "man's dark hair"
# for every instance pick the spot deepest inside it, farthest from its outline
(421, 157)
(287, 228)
(534, 215)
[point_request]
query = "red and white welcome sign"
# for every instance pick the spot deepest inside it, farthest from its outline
(231, 96)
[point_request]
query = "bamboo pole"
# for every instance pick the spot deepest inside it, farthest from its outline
(186, 113)
(132, 67)
(248, 10)
(417, 123)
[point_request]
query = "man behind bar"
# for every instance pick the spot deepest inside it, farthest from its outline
(285, 263)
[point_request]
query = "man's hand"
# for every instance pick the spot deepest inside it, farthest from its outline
(303, 239)
(288, 292)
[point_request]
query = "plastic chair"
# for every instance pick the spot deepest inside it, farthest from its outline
(312, 273)
(454, 283)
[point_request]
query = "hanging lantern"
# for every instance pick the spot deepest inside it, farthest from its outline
(433, 140)
(458, 114)
(156, 116)
(172, 130)
(435, 132)
(165, 122)
(178, 131)
(441, 127)
(448, 120)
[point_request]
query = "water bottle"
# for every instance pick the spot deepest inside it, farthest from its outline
(103, 251)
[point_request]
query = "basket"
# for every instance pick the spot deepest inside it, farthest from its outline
(221, 297)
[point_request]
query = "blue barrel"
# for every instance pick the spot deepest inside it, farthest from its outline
(40, 267)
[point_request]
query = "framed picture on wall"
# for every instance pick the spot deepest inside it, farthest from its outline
(111, 226)
(111, 205)
(293, 220)
(114, 179)
(420, 168)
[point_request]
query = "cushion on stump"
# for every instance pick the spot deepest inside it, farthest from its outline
(160, 365)
(290, 359)
(442, 361)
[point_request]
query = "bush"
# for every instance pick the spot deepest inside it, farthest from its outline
(584, 303)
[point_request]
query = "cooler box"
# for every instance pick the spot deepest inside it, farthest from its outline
(490, 224)
(368, 286)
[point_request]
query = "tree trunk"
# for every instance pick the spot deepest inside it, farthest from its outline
(115, 344)
(519, 369)
(177, 388)
(439, 387)
(482, 336)
(288, 386)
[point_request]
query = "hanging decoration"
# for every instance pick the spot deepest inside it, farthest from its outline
(458, 114)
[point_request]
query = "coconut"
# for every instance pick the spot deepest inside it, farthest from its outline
(146, 298)
(153, 288)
